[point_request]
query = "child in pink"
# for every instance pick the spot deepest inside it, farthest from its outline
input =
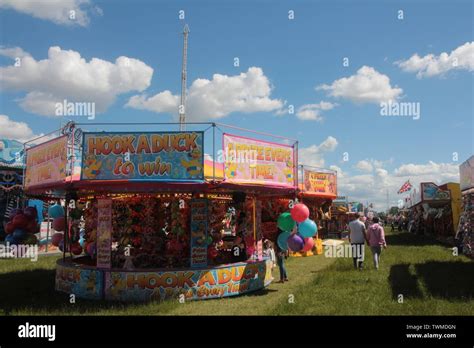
(376, 240)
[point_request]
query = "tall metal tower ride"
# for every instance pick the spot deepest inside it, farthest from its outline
(182, 106)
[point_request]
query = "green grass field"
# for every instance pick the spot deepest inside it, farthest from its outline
(431, 280)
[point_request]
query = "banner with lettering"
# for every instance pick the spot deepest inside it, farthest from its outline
(222, 281)
(466, 174)
(254, 161)
(319, 182)
(46, 163)
(198, 232)
(162, 156)
(104, 233)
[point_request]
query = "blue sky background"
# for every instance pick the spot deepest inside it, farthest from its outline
(296, 56)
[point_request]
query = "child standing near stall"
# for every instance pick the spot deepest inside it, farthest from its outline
(269, 252)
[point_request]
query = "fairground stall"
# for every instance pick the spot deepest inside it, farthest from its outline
(342, 212)
(28, 227)
(11, 172)
(465, 228)
(434, 210)
(159, 214)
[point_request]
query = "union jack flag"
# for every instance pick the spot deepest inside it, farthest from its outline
(405, 187)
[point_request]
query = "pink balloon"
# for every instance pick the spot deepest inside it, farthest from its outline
(308, 244)
(300, 212)
(57, 237)
(59, 224)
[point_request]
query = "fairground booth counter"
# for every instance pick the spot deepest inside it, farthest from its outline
(163, 213)
(435, 210)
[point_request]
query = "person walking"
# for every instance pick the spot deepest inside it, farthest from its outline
(376, 240)
(357, 239)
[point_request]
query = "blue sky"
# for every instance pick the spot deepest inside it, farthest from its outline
(294, 57)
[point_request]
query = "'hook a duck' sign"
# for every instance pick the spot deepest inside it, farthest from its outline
(149, 156)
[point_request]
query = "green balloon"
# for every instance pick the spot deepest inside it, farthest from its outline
(285, 222)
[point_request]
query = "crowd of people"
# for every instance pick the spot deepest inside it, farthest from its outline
(399, 223)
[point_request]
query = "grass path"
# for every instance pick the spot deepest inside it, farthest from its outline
(431, 280)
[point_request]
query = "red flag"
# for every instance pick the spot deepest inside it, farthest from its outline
(405, 187)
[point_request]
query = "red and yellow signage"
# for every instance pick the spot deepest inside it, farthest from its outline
(46, 163)
(320, 182)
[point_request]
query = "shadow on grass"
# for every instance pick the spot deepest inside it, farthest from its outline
(403, 283)
(33, 291)
(261, 292)
(449, 280)
(410, 239)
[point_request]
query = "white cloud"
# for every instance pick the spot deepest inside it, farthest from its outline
(20, 131)
(366, 86)
(63, 12)
(13, 52)
(372, 187)
(65, 75)
(427, 169)
(313, 155)
(368, 165)
(313, 111)
(461, 58)
(14, 130)
(365, 166)
(161, 102)
(213, 99)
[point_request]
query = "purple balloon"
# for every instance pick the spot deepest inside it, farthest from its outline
(295, 242)
(31, 212)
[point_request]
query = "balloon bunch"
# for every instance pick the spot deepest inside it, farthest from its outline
(302, 240)
(22, 226)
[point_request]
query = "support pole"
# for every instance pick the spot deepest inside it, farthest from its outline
(213, 152)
